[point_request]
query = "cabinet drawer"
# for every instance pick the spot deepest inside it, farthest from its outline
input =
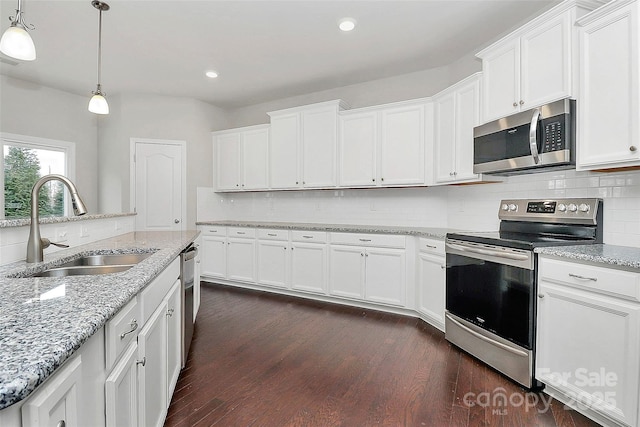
(268, 234)
(120, 331)
(432, 246)
(624, 284)
(309, 236)
(213, 230)
(378, 240)
(241, 232)
(154, 293)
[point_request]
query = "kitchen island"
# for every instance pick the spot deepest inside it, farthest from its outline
(45, 320)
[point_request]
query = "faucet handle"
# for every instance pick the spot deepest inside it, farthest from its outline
(46, 243)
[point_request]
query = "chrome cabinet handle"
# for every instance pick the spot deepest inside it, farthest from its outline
(271, 234)
(170, 312)
(213, 231)
(308, 237)
(142, 362)
(240, 232)
(575, 276)
(533, 140)
(431, 246)
(134, 325)
(365, 240)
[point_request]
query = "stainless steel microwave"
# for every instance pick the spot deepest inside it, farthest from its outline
(530, 141)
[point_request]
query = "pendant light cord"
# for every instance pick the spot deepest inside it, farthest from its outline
(99, 49)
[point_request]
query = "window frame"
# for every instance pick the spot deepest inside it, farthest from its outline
(34, 142)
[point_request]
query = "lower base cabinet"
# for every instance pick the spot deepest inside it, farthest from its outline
(121, 390)
(273, 263)
(308, 267)
(431, 282)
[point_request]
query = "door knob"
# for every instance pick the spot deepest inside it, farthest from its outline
(177, 221)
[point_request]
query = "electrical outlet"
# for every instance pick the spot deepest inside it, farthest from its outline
(61, 234)
(84, 231)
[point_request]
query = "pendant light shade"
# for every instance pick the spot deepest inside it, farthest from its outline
(98, 103)
(16, 41)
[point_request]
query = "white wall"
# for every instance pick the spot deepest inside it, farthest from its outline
(155, 117)
(33, 110)
(468, 207)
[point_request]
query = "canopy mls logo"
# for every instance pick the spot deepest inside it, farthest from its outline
(586, 388)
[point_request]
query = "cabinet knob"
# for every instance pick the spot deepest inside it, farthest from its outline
(443, 267)
(170, 312)
(296, 182)
(633, 148)
(61, 423)
(142, 362)
(373, 180)
(381, 179)
(177, 221)
(521, 102)
(515, 104)
(540, 296)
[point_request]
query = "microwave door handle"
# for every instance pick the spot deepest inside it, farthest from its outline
(533, 136)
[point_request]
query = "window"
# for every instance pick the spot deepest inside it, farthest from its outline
(25, 160)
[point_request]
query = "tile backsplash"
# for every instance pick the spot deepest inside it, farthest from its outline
(465, 207)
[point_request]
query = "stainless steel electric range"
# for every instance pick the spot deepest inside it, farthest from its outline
(492, 279)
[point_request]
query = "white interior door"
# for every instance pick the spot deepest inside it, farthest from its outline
(159, 194)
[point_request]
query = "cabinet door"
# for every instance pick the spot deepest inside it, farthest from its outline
(445, 138)
(608, 110)
(308, 267)
(255, 159)
(121, 388)
(283, 151)
(241, 259)
(385, 276)
(588, 348)
(152, 372)
(214, 257)
(57, 402)
(273, 263)
(227, 163)
(402, 145)
(319, 142)
(548, 44)
(196, 280)
(467, 116)
(173, 314)
(346, 272)
(358, 142)
(431, 287)
(501, 85)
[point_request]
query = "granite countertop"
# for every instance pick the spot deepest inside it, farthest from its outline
(44, 320)
(20, 222)
(609, 255)
(431, 232)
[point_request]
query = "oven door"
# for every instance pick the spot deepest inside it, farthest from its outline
(493, 288)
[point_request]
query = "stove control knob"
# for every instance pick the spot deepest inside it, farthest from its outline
(572, 207)
(562, 207)
(513, 207)
(504, 207)
(584, 208)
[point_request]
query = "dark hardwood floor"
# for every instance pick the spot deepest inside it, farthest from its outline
(259, 359)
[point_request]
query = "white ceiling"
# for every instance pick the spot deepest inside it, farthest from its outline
(263, 50)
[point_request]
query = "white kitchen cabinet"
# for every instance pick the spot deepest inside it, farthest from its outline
(347, 271)
(308, 263)
(304, 145)
(385, 276)
(456, 113)
(531, 66)
(153, 370)
(196, 279)
(358, 144)
(173, 315)
(241, 158)
(121, 390)
(214, 252)
(431, 281)
(402, 144)
(609, 95)
(241, 254)
(588, 338)
(273, 263)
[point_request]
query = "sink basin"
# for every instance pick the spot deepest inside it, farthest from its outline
(105, 260)
(82, 270)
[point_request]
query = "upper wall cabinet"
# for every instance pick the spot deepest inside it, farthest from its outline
(608, 113)
(384, 146)
(533, 65)
(241, 158)
(304, 146)
(456, 113)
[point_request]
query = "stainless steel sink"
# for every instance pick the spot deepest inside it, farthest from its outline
(86, 270)
(109, 259)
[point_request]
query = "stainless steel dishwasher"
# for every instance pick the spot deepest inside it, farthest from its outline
(187, 276)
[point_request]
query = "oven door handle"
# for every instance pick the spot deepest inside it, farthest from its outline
(489, 340)
(498, 254)
(533, 136)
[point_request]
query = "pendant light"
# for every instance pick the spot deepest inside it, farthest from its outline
(98, 103)
(16, 41)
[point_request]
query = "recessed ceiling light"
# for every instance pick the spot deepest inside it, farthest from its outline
(211, 74)
(347, 24)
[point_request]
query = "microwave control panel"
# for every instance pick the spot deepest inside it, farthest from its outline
(554, 136)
